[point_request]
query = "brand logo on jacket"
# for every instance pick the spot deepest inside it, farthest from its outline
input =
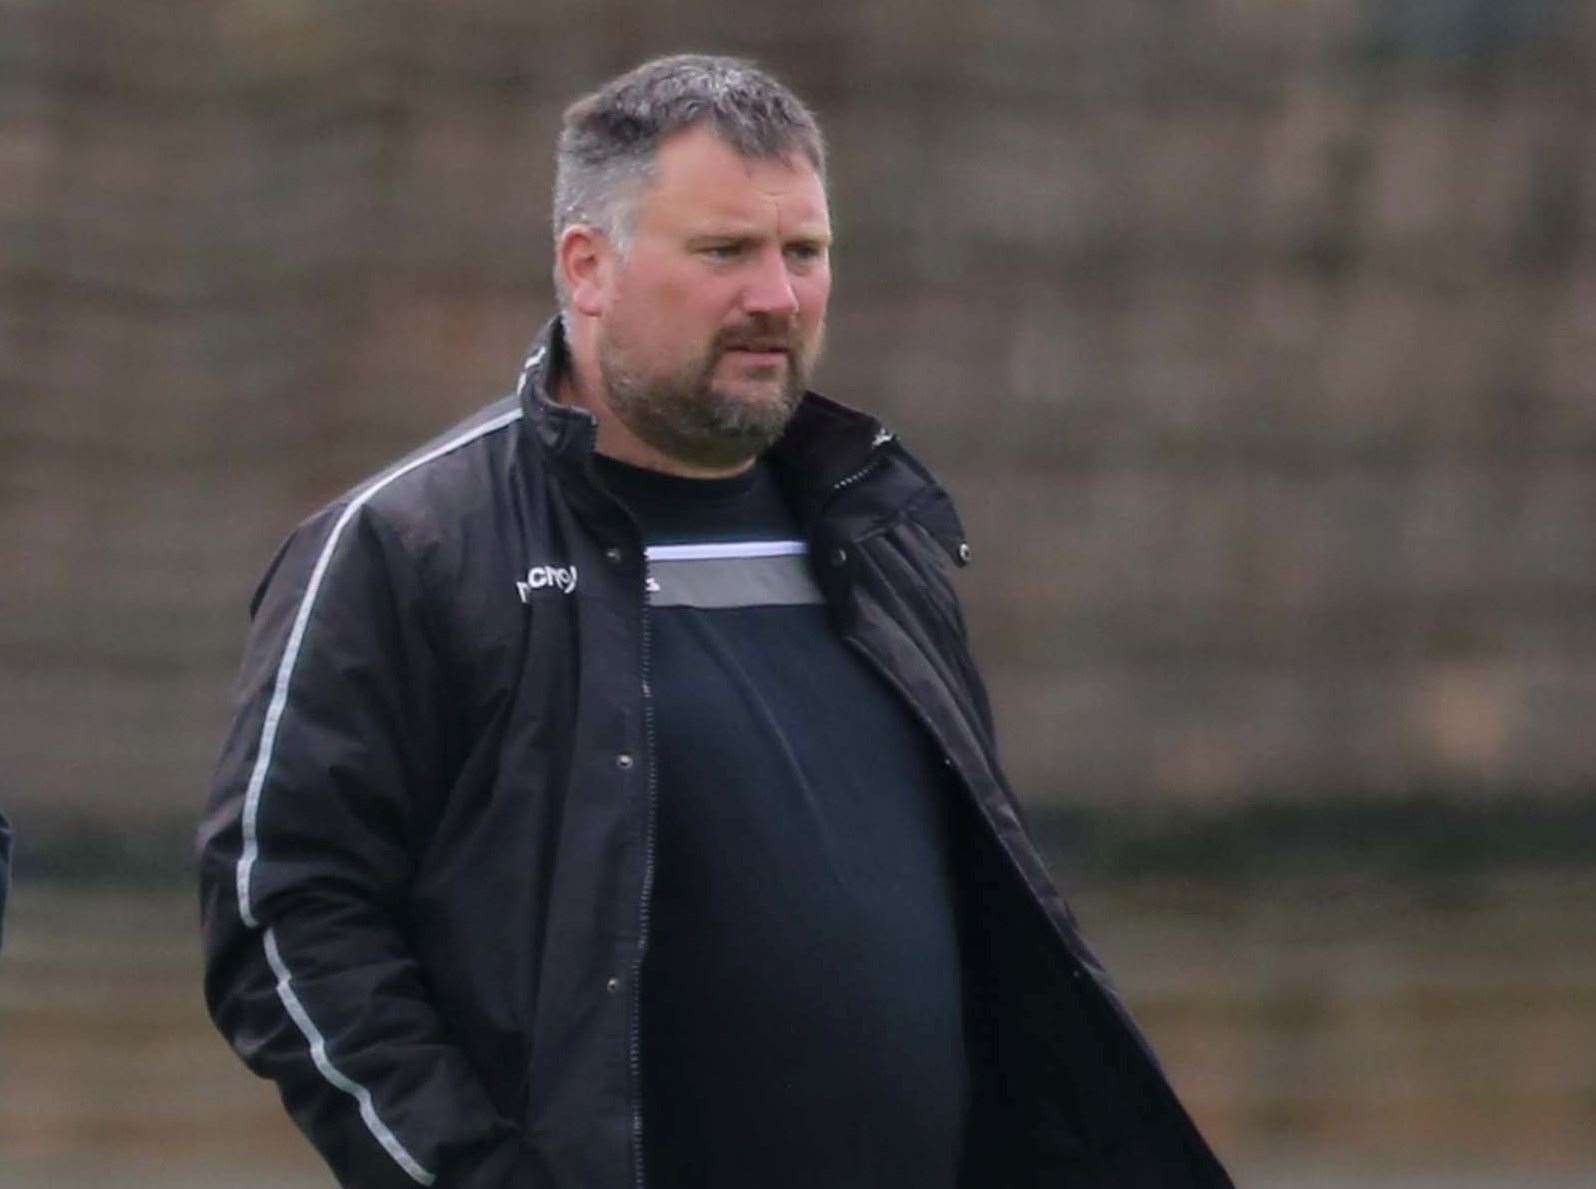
(558, 578)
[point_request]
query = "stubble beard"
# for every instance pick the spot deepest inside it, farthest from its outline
(684, 415)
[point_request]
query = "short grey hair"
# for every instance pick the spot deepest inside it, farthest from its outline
(607, 146)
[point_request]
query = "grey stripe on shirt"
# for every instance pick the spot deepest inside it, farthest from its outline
(783, 580)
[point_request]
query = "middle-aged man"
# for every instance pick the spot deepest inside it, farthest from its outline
(612, 800)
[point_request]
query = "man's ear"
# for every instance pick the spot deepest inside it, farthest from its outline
(586, 259)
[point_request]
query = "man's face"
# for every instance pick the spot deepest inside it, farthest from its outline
(715, 312)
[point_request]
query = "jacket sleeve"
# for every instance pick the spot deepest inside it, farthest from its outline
(306, 852)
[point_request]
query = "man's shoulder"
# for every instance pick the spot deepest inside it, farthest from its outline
(439, 482)
(432, 495)
(464, 461)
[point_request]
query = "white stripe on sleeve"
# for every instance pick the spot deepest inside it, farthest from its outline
(318, 1054)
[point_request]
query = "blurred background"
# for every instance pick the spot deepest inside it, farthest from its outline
(1256, 339)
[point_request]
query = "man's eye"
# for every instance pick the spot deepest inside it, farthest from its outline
(723, 251)
(805, 251)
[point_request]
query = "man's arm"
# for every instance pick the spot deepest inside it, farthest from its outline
(306, 853)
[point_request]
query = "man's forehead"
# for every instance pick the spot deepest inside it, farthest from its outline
(699, 176)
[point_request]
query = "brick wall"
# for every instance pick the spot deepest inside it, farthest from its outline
(1257, 340)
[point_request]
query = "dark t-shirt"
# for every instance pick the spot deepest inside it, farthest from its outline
(801, 993)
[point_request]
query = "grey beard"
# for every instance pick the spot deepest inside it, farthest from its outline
(685, 417)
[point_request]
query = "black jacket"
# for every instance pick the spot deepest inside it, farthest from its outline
(427, 856)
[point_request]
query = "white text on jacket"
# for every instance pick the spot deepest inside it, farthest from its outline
(560, 578)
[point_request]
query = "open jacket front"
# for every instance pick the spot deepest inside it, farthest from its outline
(427, 856)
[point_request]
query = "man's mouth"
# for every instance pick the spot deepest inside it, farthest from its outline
(758, 354)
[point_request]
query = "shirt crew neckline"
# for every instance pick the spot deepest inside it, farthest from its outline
(640, 484)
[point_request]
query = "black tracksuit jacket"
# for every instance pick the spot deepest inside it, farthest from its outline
(426, 859)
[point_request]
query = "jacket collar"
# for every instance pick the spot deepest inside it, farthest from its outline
(826, 447)
(564, 429)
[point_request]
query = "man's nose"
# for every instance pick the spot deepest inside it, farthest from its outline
(770, 288)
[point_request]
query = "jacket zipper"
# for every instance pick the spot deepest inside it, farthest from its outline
(651, 795)
(850, 480)
(644, 908)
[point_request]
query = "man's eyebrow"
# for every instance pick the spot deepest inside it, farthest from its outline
(820, 236)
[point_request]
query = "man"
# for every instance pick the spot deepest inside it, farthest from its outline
(612, 799)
